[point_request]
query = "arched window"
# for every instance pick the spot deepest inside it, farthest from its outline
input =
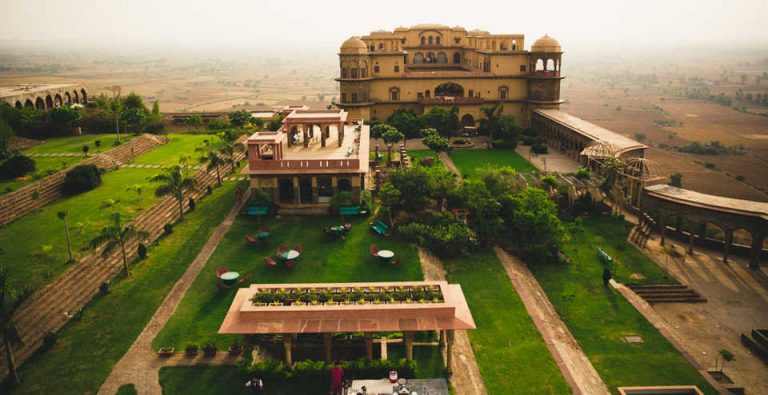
(550, 66)
(514, 45)
(456, 58)
(19, 106)
(68, 98)
(503, 93)
(57, 102)
(437, 40)
(28, 104)
(426, 93)
(430, 40)
(354, 98)
(442, 58)
(48, 102)
(423, 40)
(372, 48)
(503, 46)
(39, 104)
(344, 72)
(418, 57)
(381, 45)
(430, 57)
(83, 96)
(449, 89)
(353, 73)
(493, 45)
(539, 65)
(394, 94)
(363, 72)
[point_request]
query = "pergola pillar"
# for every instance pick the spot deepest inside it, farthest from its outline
(323, 135)
(408, 346)
(691, 236)
(327, 345)
(757, 248)
(369, 346)
(287, 343)
(449, 351)
(305, 134)
(341, 133)
(727, 244)
(296, 190)
(663, 226)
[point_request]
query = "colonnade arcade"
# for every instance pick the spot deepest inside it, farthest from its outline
(561, 137)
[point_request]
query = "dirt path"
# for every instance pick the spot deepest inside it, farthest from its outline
(466, 379)
(571, 360)
(140, 365)
(449, 164)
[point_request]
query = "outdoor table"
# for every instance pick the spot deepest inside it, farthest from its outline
(386, 254)
(290, 255)
(264, 235)
(230, 277)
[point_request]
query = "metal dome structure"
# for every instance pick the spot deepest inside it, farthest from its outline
(600, 150)
(641, 169)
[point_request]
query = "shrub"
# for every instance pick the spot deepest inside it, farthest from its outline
(157, 127)
(676, 180)
(191, 350)
(49, 340)
(142, 251)
(104, 288)
(192, 204)
(582, 173)
(81, 179)
(209, 349)
(16, 166)
(167, 229)
(539, 148)
(444, 240)
(709, 165)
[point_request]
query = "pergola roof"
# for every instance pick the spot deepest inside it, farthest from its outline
(592, 131)
(244, 317)
(302, 116)
(712, 202)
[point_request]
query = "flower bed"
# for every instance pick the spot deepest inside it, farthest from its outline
(348, 295)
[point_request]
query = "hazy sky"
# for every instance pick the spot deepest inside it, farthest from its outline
(324, 24)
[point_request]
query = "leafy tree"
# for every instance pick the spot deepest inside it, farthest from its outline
(276, 123)
(406, 122)
(10, 301)
(446, 239)
(195, 119)
(62, 215)
(117, 235)
(379, 129)
(116, 108)
(442, 183)
(66, 117)
(491, 116)
(506, 129)
(134, 118)
(582, 173)
(174, 183)
(444, 120)
(81, 179)
(240, 119)
(156, 108)
(214, 162)
(85, 149)
(228, 149)
(537, 230)
(676, 180)
(413, 184)
(483, 208)
(434, 141)
(390, 197)
(391, 137)
(549, 182)
(6, 137)
(499, 180)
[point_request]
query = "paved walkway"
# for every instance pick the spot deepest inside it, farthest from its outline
(140, 365)
(552, 162)
(571, 360)
(466, 379)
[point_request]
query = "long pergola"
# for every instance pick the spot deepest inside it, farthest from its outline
(445, 314)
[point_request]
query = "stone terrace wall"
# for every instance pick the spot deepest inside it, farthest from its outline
(36, 195)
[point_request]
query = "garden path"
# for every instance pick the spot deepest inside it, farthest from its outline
(140, 365)
(570, 358)
(466, 379)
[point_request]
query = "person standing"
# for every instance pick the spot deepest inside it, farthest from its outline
(606, 276)
(255, 385)
(337, 383)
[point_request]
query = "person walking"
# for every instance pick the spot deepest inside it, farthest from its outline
(606, 276)
(337, 383)
(255, 385)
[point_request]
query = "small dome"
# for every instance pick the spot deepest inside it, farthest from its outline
(354, 45)
(478, 32)
(434, 26)
(546, 44)
(401, 29)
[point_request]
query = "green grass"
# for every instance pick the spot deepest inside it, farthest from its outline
(88, 349)
(417, 155)
(23, 237)
(198, 317)
(224, 380)
(467, 160)
(126, 389)
(178, 146)
(510, 352)
(599, 317)
(44, 166)
(75, 144)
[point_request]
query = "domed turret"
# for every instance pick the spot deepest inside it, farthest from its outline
(354, 45)
(546, 44)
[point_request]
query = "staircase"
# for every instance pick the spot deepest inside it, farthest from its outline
(666, 293)
(757, 343)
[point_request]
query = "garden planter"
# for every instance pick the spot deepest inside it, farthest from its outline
(166, 352)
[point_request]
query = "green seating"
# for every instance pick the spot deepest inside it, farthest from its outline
(380, 227)
(258, 210)
(351, 210)
(605, 258)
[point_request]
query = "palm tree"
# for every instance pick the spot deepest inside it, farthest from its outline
(214, 161)
(174, 183)
(391, 137)
(228, 150)
(117, 235)
(492, 115)
(116, 109)
(10, 301)
(63, 216)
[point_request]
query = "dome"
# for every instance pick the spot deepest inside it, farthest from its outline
(434, 26)
(381, 32)
(354, 45)
(478, 32)
(546, 44)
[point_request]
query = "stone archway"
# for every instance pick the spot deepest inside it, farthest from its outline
(57, 101)
(468, 120)
(449, 89)
(48, 102)
(18, 105)
(39, 104)
(285, 189)
(29, 104)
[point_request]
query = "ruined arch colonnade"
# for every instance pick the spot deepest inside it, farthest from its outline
(44, 97)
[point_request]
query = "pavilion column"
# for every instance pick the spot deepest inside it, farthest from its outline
(315, 192)
(662, 227)
(287, 343)
(757, 248)
(727, 244)
(369, 346)
(341, 134)
(702, 234)
(441, 338)
(322, 136)
(449, 352)
(691, 236)
(327, 345)
(679, 225)
(296, 190)
(408, 346)
(305, 134)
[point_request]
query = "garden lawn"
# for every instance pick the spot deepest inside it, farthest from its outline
(88, 349)
(467, 160)
(417, 155)
(224, 380)
(74, 144)
(510, 352)
(23, 237)
(599, 317)
(198, 317)
(44, 166)
(180, 145)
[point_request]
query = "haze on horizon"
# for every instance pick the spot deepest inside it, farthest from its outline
(320, 26)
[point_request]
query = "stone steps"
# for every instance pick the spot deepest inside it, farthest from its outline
(70, 292)
(757, 343)
(666, 293)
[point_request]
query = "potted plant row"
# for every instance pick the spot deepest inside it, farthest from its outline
(347, 296)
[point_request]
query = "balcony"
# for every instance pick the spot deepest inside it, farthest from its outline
(450, 100)
(545, 73)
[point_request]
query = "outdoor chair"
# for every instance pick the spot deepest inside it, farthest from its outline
(374, 250)
(298, 248)
(221, 270)
(396, 261)
(281, 249)
(245, 280)
(250, 239)
(222, 287)
(380, 228)
(270, 262)
(290, 264)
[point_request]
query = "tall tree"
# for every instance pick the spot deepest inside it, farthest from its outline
(63, 216)
(214, 162)
(391, 137)
(117, 235)
(10, 301)
(116, 108)
(492, 115)
(176, 183)
(228, 150)
(6, 136)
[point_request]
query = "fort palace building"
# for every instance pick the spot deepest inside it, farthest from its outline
(431, 65)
